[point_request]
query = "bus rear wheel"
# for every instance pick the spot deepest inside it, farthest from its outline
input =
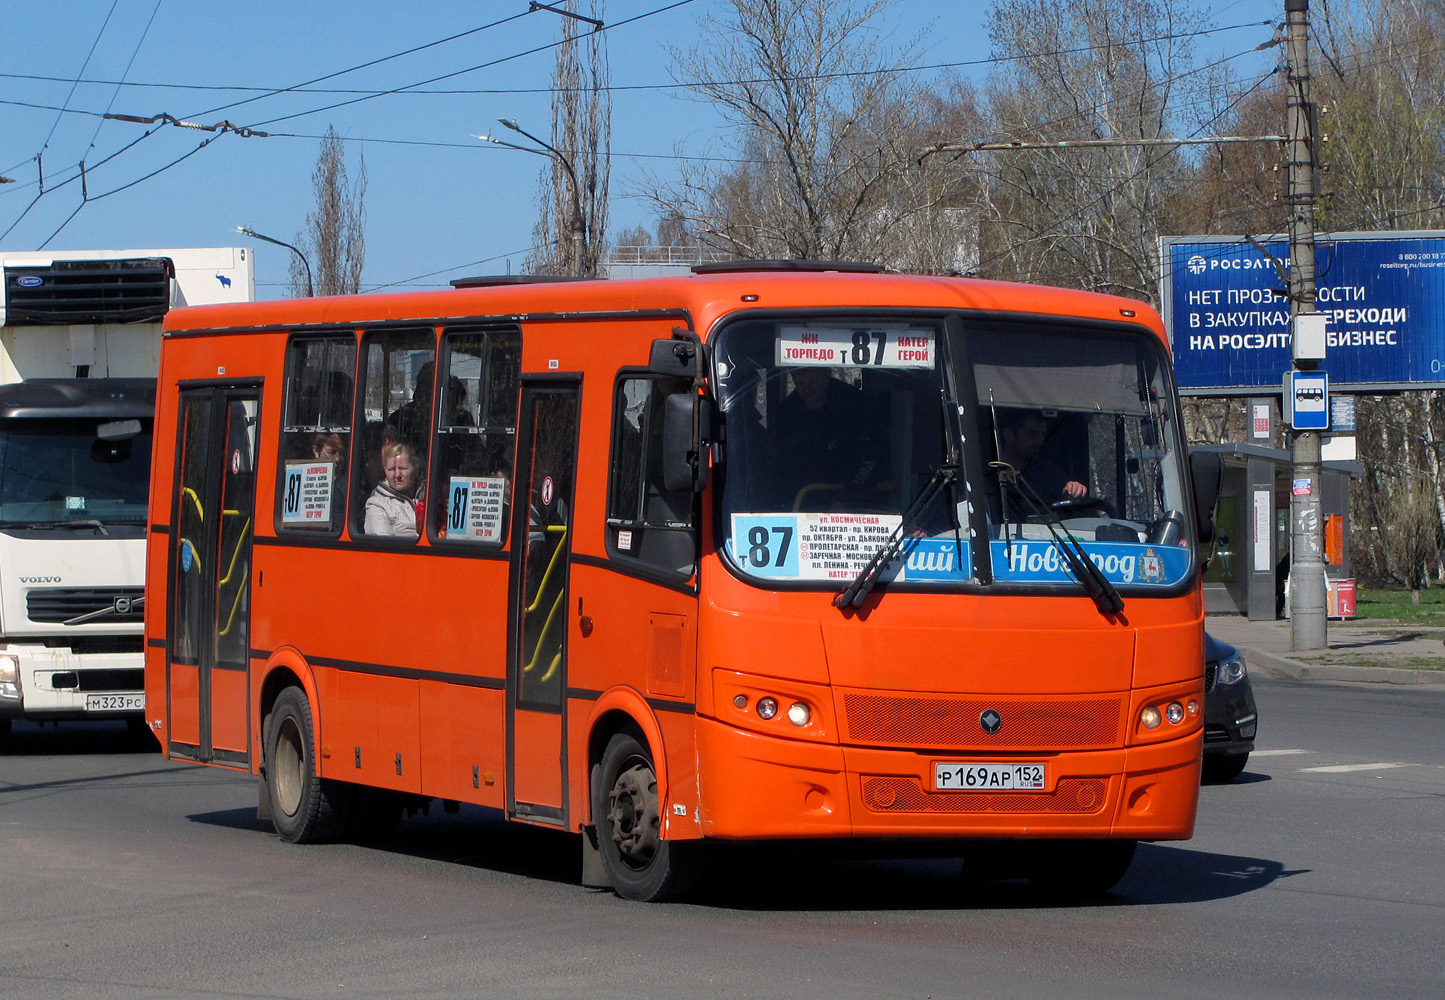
(640, 864)
(304, 807)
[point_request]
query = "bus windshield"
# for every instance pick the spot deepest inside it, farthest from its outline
(61, 474)
(834, 426)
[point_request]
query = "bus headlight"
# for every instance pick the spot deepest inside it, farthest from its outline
(761, 704)
(9, 676)
(1150, 717)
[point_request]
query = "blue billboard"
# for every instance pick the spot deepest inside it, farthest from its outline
(1229, 321)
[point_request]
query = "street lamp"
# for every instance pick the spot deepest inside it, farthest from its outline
(577, 226)
(248, 231)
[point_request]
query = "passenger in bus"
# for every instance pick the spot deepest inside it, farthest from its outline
(410, 419)
(328, 447)
(825, 442)
(392, 509)
(1022, 435)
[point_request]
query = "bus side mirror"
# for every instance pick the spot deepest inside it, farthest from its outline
(674, 357)
(1206, 471)
(686, 419)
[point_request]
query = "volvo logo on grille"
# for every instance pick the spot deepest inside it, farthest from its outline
(123, 605)
(990, 720)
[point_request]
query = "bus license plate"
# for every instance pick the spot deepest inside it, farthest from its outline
(115, 702)
(956, 776)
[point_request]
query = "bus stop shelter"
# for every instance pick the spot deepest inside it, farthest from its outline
(1249, 564)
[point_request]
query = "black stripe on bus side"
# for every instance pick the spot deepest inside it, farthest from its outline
(160, 529)
(358, 545)
(387, 670)
(656, 704)
(157, 643)
(624, 567)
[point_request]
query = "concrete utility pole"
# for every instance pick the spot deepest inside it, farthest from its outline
(1308, 619)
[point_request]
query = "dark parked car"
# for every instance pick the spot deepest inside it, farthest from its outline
(1229, 714)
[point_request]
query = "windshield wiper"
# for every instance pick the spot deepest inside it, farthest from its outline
(853, 595)
(1095, 583)
(56, 525)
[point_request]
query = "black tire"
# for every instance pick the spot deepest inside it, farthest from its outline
(1219, 769)
(304, 808)
(1080, 868)
(627, 809)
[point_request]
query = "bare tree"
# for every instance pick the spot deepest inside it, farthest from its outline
(825, 137)
(1111, 70)
(571, 230)
(335, 235)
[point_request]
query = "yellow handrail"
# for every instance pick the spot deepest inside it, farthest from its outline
(551, 565)
(187, 491)
(552, 617)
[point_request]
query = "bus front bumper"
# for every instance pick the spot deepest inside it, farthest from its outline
(757, 787)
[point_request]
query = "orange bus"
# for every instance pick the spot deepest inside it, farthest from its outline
(773, 551)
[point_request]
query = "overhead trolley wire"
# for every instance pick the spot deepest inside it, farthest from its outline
(470, 69)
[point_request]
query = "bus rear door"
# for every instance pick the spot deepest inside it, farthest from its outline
(209, 642)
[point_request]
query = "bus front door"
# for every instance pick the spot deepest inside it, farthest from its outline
(207, 677)
(540, 617)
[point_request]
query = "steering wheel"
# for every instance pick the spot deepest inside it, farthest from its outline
(1075, 506)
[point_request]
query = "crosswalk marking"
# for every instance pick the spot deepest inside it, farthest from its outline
(1342, 768)
(1276, 753)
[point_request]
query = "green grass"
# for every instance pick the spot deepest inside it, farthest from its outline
(1395, 605)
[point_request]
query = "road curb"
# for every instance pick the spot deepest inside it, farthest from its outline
(1283, 666)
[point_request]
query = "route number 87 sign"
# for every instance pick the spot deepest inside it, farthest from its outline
(888, 345)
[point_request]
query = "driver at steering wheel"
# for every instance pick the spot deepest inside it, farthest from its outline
(1022, 435)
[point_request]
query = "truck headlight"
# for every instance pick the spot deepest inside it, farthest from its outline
(9, 676)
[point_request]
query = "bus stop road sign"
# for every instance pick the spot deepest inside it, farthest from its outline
(1307, 400)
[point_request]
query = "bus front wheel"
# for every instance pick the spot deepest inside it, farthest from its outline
(640, 864)
(1080, 868)
(304, 808)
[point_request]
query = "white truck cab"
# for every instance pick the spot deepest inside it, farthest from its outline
(79, 353)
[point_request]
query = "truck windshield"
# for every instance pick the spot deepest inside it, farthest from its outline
(59, 473)
(834, 426)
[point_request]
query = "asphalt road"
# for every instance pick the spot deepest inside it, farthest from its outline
(1320, 873)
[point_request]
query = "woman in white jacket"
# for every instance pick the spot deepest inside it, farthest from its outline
(392, 507)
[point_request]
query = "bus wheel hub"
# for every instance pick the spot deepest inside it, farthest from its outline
(633, 814)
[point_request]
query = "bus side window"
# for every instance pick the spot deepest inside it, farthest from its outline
(645, 521)
(398, 380)
(316, 433)
(476, 435)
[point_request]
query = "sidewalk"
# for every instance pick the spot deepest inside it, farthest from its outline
(1376, 650)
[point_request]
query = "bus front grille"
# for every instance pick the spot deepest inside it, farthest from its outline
(934, 722)
(1077, 796)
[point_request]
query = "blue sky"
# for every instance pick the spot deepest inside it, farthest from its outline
(439, 204)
